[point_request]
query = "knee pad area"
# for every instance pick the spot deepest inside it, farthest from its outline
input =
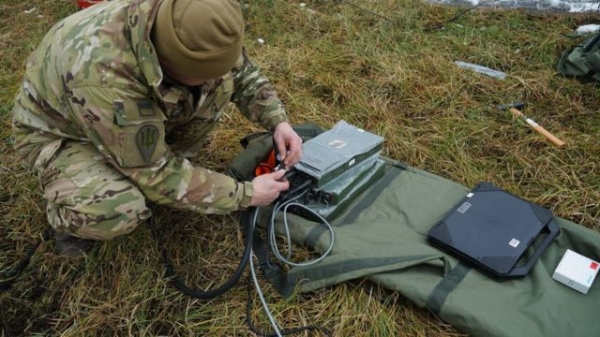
(98, 222)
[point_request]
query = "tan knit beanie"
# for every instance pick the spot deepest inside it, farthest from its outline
(200, 38)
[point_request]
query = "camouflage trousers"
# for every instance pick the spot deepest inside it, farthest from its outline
(87, 197)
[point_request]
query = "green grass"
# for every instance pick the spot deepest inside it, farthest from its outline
(384, 65)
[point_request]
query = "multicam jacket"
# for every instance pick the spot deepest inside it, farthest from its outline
(96, 78)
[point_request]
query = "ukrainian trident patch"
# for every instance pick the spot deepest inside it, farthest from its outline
(146, 140)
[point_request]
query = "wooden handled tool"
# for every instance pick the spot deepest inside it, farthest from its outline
(540, 129)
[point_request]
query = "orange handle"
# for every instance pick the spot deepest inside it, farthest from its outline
(540, 129)
(267, 166)
(558, 142)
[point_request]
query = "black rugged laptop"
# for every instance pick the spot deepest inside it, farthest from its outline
(493, 230)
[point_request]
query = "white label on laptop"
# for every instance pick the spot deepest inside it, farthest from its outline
(514, 242)
(464, 207)
(470, 195)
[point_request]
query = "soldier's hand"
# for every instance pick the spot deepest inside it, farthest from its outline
(267, 187)
(289, 144)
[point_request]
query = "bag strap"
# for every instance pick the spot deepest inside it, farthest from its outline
(271, 271)
(254, 136)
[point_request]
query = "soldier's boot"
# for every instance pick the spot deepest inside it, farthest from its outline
(72, 246)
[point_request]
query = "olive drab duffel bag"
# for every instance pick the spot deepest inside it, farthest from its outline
(582, 62)
(382, 236)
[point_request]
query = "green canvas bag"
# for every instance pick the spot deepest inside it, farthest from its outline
(381, 236)
(583, 61)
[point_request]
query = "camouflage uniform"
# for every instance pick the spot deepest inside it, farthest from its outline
(105, 131)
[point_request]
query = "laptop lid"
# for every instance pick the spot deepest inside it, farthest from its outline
(492, 229)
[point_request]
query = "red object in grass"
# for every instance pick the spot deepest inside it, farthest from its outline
(81, 4)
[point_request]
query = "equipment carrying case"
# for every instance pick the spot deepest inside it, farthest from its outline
(382, 236)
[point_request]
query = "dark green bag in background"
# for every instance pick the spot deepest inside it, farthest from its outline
(583, 61)
(382, 236)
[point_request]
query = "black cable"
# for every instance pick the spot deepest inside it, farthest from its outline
(287, 195)
(366, 10)
(466, 10)
(291, 195)
(455, 17)
(248, 219)
(212, 293)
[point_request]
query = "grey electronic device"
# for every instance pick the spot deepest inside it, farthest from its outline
(338, 165)
(333, 152)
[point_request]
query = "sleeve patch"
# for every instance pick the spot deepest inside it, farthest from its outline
(146, 140)
(139, 133)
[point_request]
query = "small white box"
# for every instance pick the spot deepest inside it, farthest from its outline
(576, 271)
